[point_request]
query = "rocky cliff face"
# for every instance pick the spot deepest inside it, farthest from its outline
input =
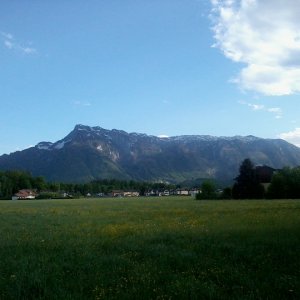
(89, 153)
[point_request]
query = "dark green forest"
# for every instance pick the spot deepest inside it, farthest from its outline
(283, 184)
(257, 182)
(13, 181)
(249, 184)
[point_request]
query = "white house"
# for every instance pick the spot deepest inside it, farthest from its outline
(24, 194)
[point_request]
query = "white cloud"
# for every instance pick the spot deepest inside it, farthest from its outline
(292, 136)
(260, 107)
(256, 106)
(11, 44)
(6, 35)
(166, 101)
(8, 44)
(275, 110)
(28, 50)
(264, 35)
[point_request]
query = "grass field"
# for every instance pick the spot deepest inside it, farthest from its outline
(149, 248)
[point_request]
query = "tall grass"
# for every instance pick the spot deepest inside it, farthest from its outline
(149, 248)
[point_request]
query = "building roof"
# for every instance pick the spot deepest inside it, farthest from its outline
(26, 193)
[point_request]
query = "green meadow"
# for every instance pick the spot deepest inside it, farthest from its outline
(149, 248)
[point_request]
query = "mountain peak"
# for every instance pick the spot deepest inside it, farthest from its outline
(80, 127)
(44, 145)
(88, 153)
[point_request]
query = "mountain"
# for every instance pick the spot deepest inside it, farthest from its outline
(89, 153)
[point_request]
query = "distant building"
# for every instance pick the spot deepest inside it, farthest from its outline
(264, 175)
(151, 193)
(183, 192)
(166, 193)
(120, 193)
(24, 195)
(117, 193)
(194, 192)
(131, 194)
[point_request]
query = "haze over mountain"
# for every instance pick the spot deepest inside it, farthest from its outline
(89, 153)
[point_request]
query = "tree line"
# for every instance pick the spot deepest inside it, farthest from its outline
(13, 181)
(251, 183)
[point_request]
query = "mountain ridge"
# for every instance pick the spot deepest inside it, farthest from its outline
(89, 153)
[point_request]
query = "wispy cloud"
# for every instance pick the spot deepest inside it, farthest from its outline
(256, 106)
(292, 136)
(82, 103)
(29, 50)
(277, 111)
(8, 36)
(8, 44)
(12, 44)
(264, 35)
(165, 101)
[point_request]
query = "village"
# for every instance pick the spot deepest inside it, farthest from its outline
(30, 194)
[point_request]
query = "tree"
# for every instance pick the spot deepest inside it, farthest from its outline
(226, 193)
(39, 183)
(208, 191)
(247, 185)
(285, 184)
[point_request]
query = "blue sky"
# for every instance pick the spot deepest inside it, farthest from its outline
(160, 67)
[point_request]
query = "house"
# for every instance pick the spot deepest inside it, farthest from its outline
(163, 193)
(120, 193)
(117, 193)
(131, 194)
(182, 192)
(194, 192)
(166, 193)
(24, 195)
(264, 175)
(151, 193)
